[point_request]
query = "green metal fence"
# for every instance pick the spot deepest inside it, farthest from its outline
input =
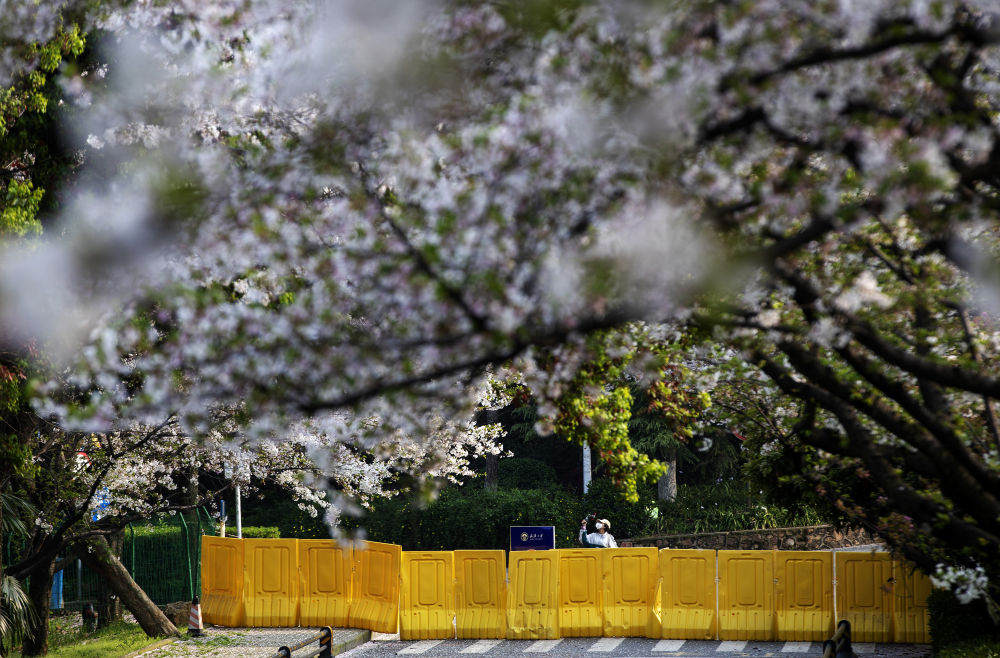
(164, 560)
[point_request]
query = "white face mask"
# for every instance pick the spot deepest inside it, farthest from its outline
(599, 526)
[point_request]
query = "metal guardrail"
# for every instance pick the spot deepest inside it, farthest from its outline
(839, 646)
(325, 650)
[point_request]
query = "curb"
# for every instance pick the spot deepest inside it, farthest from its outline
(155, 645)
(346, 645)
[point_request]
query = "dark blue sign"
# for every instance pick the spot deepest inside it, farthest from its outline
(532, 537)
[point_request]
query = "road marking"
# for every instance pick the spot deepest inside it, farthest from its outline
(668, 645)
(864, 647)
(606, 644)
(796, 647)
(481, 646)
(541, 646)
(732, 645)
(421, 646)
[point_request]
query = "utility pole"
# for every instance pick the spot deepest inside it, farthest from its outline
(239, 513)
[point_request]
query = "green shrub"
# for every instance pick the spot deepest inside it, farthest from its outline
(525, 473)
(981, 648)
(474, 517)
(470, 518)
(953, 623)
(477, 518)
(275, 506)
(256, 532)
(724, 507)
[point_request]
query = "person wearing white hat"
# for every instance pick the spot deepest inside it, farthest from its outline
(600, 539)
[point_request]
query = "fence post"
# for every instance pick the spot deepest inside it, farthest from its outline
(131, 532)
(326, 643)
(187, 550)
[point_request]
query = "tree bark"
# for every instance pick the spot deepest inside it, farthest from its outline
(666, 486)
(492, 465)
(36, 640)
(109, 606)
(191, 496)
(105, 563)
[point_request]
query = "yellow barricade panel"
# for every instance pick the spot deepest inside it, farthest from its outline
(910, 618)
(375, 586)
(324, 583)
(746, 595)
(270, 594)
(480, 594)
(533, 596)
(427, 610)
(580, 611)
(864, 594)
(631, 576)
(803, 595)
(687, 594)
(222, 581)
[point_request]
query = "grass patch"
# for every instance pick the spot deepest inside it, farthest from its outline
(67, 640)
(981, 648)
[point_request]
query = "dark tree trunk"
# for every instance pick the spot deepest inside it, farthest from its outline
(492, 464)
(36, 641)
(666, 486)
(106, 564)
(191, 497)
(109, 606)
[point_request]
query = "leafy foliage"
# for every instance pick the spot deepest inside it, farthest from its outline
(727, 506)
(473, 517)
(525, 473)
(952, 622)
(29, 143)
(810, 186)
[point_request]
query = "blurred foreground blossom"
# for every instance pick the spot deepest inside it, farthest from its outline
(347, 216)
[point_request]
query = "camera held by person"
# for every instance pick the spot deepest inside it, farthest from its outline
(600, 539)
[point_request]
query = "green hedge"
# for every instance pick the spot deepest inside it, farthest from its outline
(953, 623)
(272, 506)
(478, 518)
(256, 532)
(525, 473)
(724, 507)
(474, 517)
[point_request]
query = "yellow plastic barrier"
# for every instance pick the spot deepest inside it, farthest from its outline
(910, 618)
(324, 583)
(746, 595)
(222, 581)
(687, 594)
(375, 587)
(631, 576)
(480, 594)
(678, 594)
(533, 596)
(864, 594)
(427, 610)
(803, 595)
(580, 575)
(271, 592)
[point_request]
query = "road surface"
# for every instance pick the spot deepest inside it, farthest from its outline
(617, 646)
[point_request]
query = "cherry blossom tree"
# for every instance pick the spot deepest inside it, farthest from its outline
(349, 213)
